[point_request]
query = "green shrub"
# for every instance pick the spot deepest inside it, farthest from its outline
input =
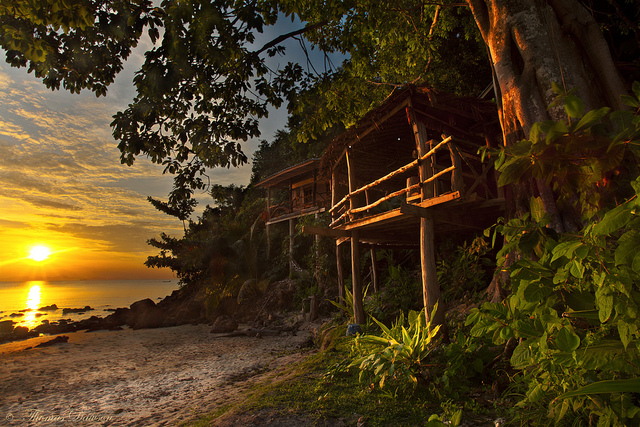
(399, 355)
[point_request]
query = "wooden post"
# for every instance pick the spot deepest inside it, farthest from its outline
(339, 263)
(358, 307)
(457, 183)
(340, 268)
(267, 226)
(352, 182)
(430, 286)
(292, 230)
(374, 270)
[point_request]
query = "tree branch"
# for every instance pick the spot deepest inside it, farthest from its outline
(284, 37)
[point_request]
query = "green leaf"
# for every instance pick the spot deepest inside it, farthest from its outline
(628, 249)
(605, 387)
(624, 332)
(573, 106)
(521, 357)
(591, 118)
(535, 292)
(567, 340)
(556, 131)
(577, 269)
(613, 220)
(565, 249)
(605, 306)
(630, 101)
(513, 169)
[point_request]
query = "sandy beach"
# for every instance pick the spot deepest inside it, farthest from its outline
(148, 377)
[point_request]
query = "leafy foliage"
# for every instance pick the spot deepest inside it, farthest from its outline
(79, 44)
(400, 354)
(465, 269)
(580, 156)
(574, 300)
(219, 251)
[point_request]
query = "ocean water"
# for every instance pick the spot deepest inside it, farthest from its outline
(26, 297)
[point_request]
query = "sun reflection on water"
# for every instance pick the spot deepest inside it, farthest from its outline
(30, 319)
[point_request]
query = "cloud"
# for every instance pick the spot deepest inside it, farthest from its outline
(113, 237)
(51, 204)
(4, 223)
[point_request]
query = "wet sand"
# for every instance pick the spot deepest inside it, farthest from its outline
(147, 377)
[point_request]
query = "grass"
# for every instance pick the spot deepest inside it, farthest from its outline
(321, 392)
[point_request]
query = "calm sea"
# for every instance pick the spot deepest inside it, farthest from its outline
(27, 297)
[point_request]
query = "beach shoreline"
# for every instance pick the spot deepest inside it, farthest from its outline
(144, 377)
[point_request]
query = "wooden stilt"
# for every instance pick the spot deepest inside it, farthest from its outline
(358, 307)
(268, 220)
(374, 270)
(340, 267)
(430, 286)
(292, 230)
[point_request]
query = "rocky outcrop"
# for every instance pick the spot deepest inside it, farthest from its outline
(57, 340)
(6, 326)
(76, 310)
(224, 324)
(146, 314)
(16, 333)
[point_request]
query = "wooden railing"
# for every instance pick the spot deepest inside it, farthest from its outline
(343, 206)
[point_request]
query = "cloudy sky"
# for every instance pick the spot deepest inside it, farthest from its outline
(62, 185)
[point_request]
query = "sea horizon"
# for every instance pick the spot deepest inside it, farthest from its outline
(20, 301)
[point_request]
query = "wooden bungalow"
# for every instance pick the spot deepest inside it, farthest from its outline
(407, 170)
(294, 192)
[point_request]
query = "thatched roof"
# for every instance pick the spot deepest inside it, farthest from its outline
(282, 177)
(385, 131)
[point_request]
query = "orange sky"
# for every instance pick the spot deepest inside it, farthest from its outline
(62, 185)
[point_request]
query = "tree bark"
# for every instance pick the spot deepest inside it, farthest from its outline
(532, 44)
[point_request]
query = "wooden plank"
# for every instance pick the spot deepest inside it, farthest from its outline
(421, 208)
(326, 232)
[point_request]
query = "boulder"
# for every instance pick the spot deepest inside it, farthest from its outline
(224, 324)
(76, 310)
(118, 318)
(145, 314)
(51, 307)
(6, 326)
(57, 340)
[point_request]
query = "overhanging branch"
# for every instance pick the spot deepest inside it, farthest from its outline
(284, 37)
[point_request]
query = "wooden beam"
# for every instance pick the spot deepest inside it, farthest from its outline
(326, 232)
(383, 119)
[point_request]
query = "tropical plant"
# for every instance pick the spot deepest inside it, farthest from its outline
(463, 269)
(399, 355)
(575, 297)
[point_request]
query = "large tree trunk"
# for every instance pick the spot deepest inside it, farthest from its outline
(533, 43)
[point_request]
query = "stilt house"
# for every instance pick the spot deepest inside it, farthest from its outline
(294, 192)
(407, 170)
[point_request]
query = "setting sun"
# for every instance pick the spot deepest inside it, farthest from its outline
(39, 253)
